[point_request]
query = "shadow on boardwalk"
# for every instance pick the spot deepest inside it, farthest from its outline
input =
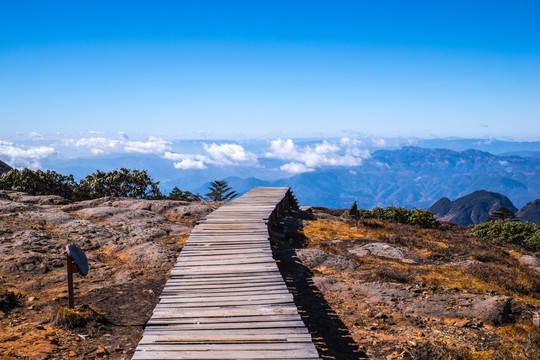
(330, 335)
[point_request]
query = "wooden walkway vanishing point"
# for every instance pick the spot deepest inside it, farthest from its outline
(225, 298)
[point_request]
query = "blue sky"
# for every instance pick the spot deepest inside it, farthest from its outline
(269, 69)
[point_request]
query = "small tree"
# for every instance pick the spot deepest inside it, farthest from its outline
(502, 213)
(177, 194)
(220, 191)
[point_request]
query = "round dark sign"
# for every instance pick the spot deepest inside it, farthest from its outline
(79, 258)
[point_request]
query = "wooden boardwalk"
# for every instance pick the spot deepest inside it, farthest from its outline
(226, 298)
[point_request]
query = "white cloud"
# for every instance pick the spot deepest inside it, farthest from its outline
(351, 142)
(190, 164)
(380, 142)
(35, 136)
(282, 149)
(230, 154)
(224, 154)
(187, 161)
(174, 156)
(154, 145)
(295, 168)
(103, 145)
(321, 155)
(361, 153)
(325, 148)
(96, 145)
(95, 142)
(28, 156)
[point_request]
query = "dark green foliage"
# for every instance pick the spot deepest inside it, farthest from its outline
(38, 182)
(523, 234)
(177, 194)
(118, 183)
(220, 191)
(502, 213)
(419, 217)
(422, 218)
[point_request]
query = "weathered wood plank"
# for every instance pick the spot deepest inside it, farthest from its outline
(165, 310)
(227, 319)
(207, 355)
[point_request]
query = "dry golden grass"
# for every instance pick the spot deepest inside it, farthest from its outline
(336, 229)
(114, 257)
(440, 256)
(452, 276)
(521, 340)
(497, 270)
(181, 240)
(77, 318)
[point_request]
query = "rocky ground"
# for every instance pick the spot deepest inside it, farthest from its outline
(376, 290)
(131, 246)
(392, 291)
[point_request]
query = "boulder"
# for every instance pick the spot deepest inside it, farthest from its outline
(380, 249)
(317, 258)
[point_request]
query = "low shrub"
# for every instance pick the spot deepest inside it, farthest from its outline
(394, 214)
(526, 235)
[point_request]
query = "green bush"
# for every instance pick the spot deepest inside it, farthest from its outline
(419, 217)
(177, 194)
(38, 182)
(118, 183)
(523, 234)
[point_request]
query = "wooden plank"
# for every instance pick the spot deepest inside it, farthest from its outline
(202, 302)
(227, 319)
(167, 311)
(209, 335)
(263, 346)
(238, 297)
(217, 290)
(206, 355)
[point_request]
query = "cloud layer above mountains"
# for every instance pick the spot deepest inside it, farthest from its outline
(289, 157)
(310, 157)
(24, 156)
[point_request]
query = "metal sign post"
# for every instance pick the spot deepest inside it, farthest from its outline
(76, 260)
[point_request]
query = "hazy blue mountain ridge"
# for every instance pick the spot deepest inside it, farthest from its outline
(411, 176)
(414, 177)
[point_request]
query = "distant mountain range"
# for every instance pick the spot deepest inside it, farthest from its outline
(411, 177)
